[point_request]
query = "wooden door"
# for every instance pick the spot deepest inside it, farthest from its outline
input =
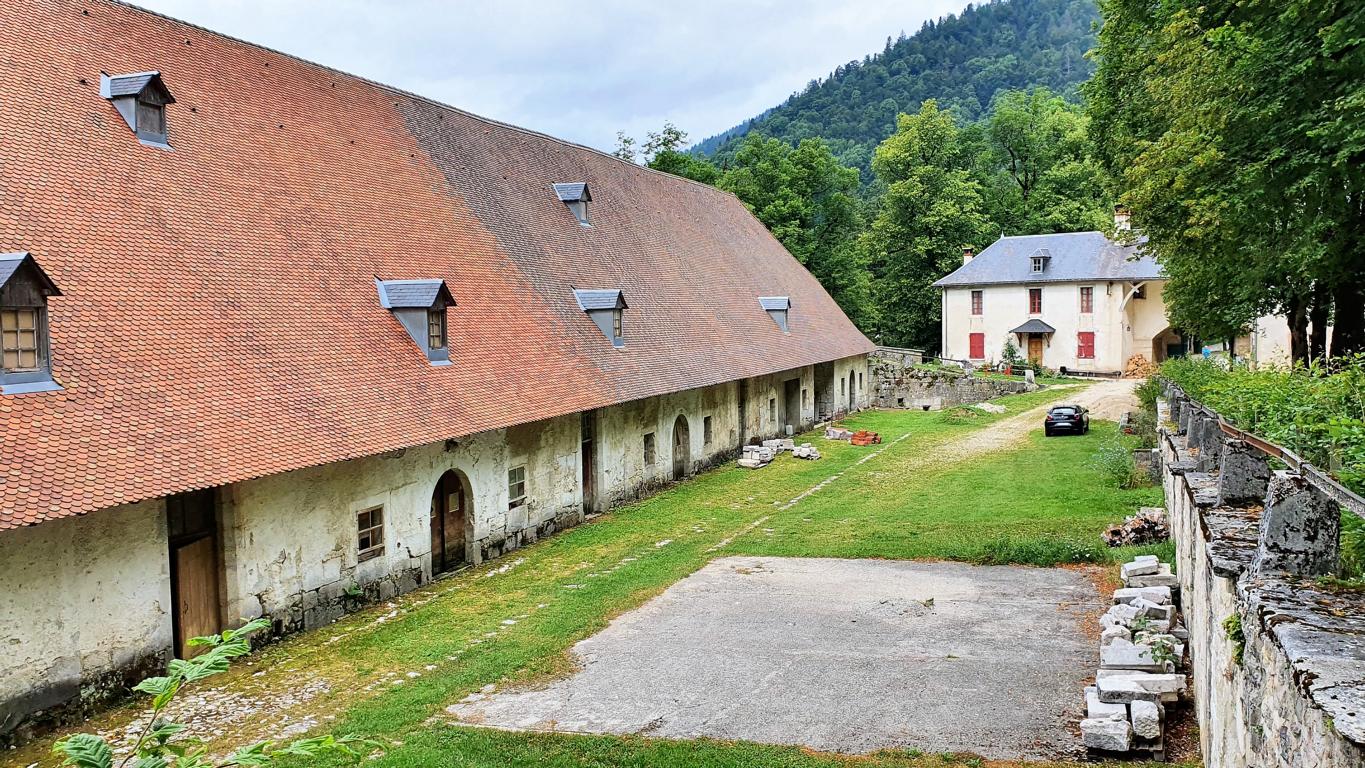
(447, 523)
(192, 531)
(682, 448)
(1035, 349)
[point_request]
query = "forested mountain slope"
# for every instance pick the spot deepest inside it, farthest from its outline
(962, 61)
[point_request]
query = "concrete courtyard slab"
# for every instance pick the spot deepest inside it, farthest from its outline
(837, 655)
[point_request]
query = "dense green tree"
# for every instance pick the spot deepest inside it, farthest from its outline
(1038, 170)
(662, 151)
(810, 202)
(1237, 134)
(932, 206)
(962, 61)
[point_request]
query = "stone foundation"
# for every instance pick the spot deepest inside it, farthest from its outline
(1278, 661)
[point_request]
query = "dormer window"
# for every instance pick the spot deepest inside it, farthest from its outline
(777, 308)
(576, 196)
(605, 307)
(25, 353)
(1039, 260)
(420, 307)
(141, 100)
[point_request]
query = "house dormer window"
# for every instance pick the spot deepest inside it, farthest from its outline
(436, 328)
(1039, 260)
(420, 307)
(141, 99)
(605, 307)
(576, 196)
(25, 352)
(778, 308)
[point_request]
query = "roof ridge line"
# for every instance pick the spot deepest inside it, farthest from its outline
(410, 94)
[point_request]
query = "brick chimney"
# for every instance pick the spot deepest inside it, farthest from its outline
(1121, 223)
(968, 253)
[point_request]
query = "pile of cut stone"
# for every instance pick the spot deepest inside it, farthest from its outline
(756, 456)
(1142, 649)
(838, 433)
(806, 451)
(1148, 526)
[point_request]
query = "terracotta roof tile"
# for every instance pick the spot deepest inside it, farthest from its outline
(219, 319)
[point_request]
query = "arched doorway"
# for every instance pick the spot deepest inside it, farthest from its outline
(449, 514)
(852, 391)
(682, 447)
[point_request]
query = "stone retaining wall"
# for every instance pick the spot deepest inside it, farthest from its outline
(898, 384)
(1278, 660)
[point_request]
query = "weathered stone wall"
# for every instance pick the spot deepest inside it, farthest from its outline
(1279, 663)
(897, 384)
(84, 607)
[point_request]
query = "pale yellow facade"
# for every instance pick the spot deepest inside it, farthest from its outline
(1126, 318)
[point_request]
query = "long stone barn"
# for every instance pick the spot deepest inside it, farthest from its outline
(273, 334)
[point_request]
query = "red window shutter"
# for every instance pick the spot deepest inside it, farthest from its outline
(1085, 345)
(978, 346)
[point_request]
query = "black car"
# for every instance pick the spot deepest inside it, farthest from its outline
(1066, 418)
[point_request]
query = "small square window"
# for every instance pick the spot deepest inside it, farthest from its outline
(20, 339)
(706, 430)
(436, 329)
(370, 531)
(1037, 264)
(649, 449)
(516, 487)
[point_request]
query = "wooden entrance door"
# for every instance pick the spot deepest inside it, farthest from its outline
(682, 448)
(447, 523)
(1035, 348)
(192, 531)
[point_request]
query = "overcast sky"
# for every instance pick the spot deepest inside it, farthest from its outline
(580, 71)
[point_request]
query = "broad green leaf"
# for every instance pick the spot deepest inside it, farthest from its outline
(85, 750)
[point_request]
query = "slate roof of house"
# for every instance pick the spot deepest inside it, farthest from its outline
(409, 294)
(608, 298)
(219, 319)
(1034, 325)
(1075, 256)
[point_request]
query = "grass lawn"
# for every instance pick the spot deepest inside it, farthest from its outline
(391, 670)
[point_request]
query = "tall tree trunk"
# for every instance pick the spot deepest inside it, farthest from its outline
(1348, 330)
(1298, 331)
(1317, 318)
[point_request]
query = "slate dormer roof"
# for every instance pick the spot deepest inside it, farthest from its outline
(413, 294)
(775, 303)
(172, 248)
(1070, 257)
(12, 263)
(118, 86)
(573, 193)
(610, 298)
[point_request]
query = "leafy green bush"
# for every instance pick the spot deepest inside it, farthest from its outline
(1040, 552)
(1143, 425)
(1114, 460)
(1147, 393)
(156, 745)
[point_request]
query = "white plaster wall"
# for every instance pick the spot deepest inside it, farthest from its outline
(82, 599)
(1119, 331)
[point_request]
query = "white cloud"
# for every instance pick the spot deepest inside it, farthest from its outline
(580, 71)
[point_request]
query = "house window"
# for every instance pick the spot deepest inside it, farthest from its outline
(772, 409)
(616, 323)
(706, 430)
(861, 386)
(1035, 300)
(1087, 299)
(436, 328)
(977, 345)
(516, 487)
(1037, 264)
(21, 339)
(1140, 292)
(976, 302)
(649, 449)
(1085, 345)
(805, 398)
(841, 386)
(151, 119)
(369, 526)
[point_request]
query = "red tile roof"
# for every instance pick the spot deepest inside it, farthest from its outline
(219, 319)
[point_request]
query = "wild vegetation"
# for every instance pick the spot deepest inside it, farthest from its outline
(1316, 411)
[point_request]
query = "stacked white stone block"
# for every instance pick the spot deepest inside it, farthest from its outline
(1142, 648)
(806, 451)
(756, 456)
